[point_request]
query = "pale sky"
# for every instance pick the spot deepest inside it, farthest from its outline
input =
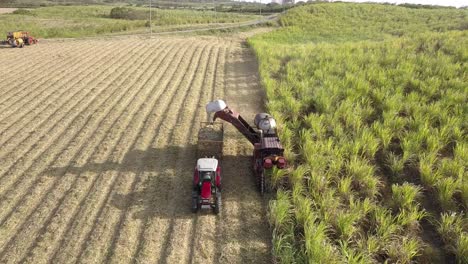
(456, 3)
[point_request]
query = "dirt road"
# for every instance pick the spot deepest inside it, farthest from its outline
(7, 10)
(97, 148)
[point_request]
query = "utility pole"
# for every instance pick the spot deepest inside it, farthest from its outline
(151, 26)
(214, 9)
(260, 7)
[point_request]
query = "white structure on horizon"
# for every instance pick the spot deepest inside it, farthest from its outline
(455, 3)
(283, 2)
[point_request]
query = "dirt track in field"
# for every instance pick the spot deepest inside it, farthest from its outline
(7, 10)
(97, 148)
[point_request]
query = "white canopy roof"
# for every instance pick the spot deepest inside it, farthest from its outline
(207, 164)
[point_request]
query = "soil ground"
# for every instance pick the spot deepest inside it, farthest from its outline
(98, 146)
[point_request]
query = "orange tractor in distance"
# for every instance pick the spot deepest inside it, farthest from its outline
(19, 39)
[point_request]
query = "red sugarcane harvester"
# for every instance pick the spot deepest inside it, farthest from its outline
(268, 151)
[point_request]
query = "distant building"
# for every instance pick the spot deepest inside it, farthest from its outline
(282, 2)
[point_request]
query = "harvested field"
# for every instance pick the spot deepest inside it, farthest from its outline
(98, 143)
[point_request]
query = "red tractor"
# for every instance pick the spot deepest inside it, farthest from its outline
(207, 177)
(268, 151)
(207, 185)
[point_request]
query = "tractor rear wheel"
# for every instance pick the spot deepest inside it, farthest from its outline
(194, 202)
(217, 207)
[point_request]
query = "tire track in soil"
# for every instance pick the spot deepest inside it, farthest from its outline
(78, 186)
(244, 230)
(40, 180)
